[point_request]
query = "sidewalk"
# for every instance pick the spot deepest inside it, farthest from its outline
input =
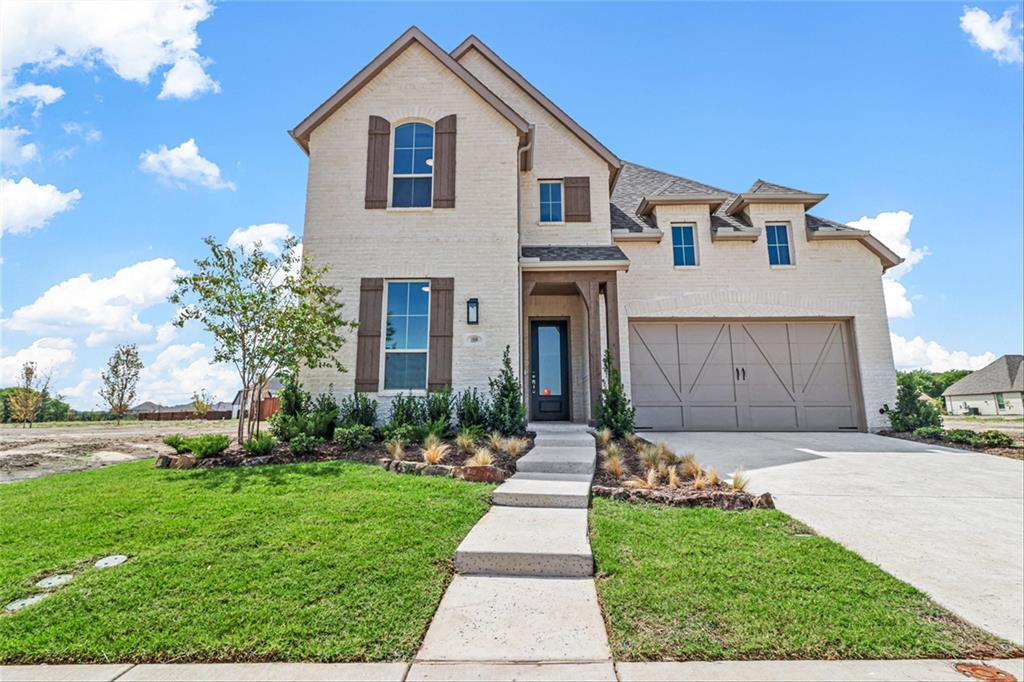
(903, 671)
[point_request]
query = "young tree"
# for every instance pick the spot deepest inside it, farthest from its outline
(28, 396)
(266, 313)
(121, 379)
(202, 402)
(614, 412)
(508, 413)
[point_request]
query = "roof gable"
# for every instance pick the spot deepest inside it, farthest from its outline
(1002, 374)
(412, 35)
(770, 192)
(474, 43)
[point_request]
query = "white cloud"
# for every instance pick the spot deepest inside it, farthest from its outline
(165, 333)
(893, 229)
(107, 308)
(26, 206)
(182, 165)
(83, 130)
(12, 152)
(133, 38)
(180, 370)
(51, 355)
(39, 95)
(917, 353)
(82, 396)
(269, 235)
(994, 35)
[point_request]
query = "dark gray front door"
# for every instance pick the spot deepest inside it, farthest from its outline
(549, 370)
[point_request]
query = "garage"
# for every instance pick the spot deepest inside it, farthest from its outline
(740, 375)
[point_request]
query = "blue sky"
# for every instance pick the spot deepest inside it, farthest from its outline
(909, 115)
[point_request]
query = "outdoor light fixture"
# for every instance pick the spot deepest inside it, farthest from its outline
(473, 311)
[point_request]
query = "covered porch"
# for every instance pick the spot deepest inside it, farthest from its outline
(570, 316)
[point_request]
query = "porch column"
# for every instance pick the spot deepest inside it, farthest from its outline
(590, 293)
(611, 300)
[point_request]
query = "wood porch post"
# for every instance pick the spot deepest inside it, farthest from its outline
(611, 300)
(590, 298)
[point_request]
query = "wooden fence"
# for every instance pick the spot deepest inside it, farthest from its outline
(175, 416)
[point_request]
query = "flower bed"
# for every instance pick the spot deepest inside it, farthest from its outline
(940, 437)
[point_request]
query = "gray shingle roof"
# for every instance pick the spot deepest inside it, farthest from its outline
(1001, 376)
(765, 187)
(574, 253)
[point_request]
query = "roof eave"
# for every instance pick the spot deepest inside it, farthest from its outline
(743, 200)
(648, 204)
(534, 264)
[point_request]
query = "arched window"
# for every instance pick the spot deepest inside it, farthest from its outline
(413, 167)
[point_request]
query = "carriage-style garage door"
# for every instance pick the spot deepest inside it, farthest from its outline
(743, 376)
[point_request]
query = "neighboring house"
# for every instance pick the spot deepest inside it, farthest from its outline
(995, 389)
(461, 211)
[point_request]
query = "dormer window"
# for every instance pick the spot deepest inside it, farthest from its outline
(778, 245)
(551, 201)
(412, 171)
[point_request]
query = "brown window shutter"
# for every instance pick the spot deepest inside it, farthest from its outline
(371, 303)
(577, 199)
(444, 162)
(377, 150)
(442, 315)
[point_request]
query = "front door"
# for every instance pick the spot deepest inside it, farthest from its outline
(549, 370)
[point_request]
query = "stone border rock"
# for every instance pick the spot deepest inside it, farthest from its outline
(487, 474)
(720, 499)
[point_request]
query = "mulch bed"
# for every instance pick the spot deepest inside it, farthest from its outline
(1010, 453)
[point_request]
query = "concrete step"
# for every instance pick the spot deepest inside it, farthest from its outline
(543, 492)
(517, 620)
(540, 476)
(558, 460)
(527, 541)
(578, 440)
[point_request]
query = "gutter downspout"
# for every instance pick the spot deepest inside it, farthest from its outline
(524, 149)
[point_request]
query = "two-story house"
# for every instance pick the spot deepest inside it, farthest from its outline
(461, 211)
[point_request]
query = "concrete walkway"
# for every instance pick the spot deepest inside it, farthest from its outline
(524, 595)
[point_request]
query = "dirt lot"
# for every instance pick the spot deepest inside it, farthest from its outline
(43, 450)
(1014, 426)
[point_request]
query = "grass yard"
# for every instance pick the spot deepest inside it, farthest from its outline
(333, 561)
(703, 584)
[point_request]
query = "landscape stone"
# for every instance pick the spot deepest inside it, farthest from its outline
(483, 474)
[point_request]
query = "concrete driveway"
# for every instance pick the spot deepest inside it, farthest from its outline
(947, 521)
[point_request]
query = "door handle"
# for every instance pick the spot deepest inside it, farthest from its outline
(737, 374)
(744, 370)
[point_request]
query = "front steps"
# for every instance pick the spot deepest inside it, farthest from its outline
(546, 459)
(527, 541)
(570, 492)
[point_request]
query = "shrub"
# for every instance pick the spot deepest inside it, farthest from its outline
(304, 444)
(260, 444)
(604, 436)
(438, 427)
(614, 412)
(481, 458)
(910, 412)
(286, 426)
(507, 413)
(405, 410)
(994, 439)
(358, 409)
(930, 432)
(178, 442)
(962, 436)
(435, 453)
(438, 409)
(353, 436)
(323, 417)
(294, 400)
(404, 432)
(208, 445)
(471, 410)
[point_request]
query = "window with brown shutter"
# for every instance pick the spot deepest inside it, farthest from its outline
(442, 315)
(377, 150)
(577, 199)
(371, 303)
(444, 162)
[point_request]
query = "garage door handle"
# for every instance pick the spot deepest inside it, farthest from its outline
(737, 374)
(744, 370)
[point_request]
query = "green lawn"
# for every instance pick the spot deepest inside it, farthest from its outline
(332, 561)
(706, 584)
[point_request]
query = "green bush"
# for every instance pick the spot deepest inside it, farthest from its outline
(261, 444)
(508, 413)
(286, 426)
(614, 411)
(962, 436)
(437, 407)
(178, 442)
(474, 431)
(208, 445)
(405, 410)
(471, 409)
(936, 432)
(410, 433)
(994, 439)
(294, 400)
(304, 444)
(352, 437)
(910, 412)
(358, 409)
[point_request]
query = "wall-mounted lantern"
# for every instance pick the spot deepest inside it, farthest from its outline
(473, 311)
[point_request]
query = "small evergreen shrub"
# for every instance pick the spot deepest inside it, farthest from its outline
(261, 444)
(404, 432)
(961, 436)
(293, 399)
(304, 444)
(994, 439)
(405, 410)
(910, 412)
(178, 442)
(286, 426)
(614, 412)
(508, 413)
(208, 445)
(936, 432)
(471, 410)
(358, 408)
(353, 437)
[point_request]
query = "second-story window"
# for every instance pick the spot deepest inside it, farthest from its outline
(778, 245)
(684, 246)
(413, 168)
(551, 201)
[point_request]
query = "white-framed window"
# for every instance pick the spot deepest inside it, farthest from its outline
(684, 246)
(406, 335)
(780, 251)
(551, 201)
(412, 166)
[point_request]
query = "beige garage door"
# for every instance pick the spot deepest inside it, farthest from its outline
(743, 376)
